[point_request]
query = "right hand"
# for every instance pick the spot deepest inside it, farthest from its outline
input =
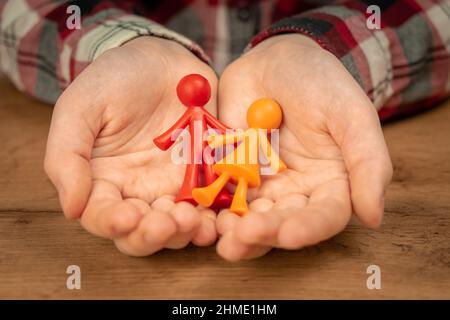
(100, 154)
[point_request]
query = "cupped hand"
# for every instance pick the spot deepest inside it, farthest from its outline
(330, 140)
(101, 157)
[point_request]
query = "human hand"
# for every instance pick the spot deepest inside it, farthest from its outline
(330, 139)
(100, 154)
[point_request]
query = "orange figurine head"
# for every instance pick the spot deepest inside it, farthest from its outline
(194, 90)
(264, 113)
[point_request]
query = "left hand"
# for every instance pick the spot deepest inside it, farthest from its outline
(330, 139)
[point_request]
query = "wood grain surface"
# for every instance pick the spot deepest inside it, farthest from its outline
(412, 247)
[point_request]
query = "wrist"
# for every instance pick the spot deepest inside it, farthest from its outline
(153, 43)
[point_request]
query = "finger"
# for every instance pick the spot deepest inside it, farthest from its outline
(261, 205)
(188, 220)
(327, 213)
(107, 214)
(259, 228)
(231, 249)
(225, 221)
(142, 205)
(261, 225)
(67, 155)
(358, 132)
(186, 217)
(154, 231)
(164, 203)
(206, 233)
(236, 96)
(180, 239)
(229, 246)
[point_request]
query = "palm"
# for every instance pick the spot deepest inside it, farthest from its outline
(129, 159)
(310, 201)
(309, 166)
(133, 183)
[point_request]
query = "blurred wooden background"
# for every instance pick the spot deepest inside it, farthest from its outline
(412, 248)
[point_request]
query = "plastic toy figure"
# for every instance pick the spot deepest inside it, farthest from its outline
(194, 92)
(242, 166)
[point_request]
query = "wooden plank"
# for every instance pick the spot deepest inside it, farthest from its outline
(411, 249)
(24, 124)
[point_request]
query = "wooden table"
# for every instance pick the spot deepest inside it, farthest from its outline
(412, 248)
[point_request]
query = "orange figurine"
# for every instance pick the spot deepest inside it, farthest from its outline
(242, 166)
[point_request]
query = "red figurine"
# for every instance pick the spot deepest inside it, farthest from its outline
(194, 92)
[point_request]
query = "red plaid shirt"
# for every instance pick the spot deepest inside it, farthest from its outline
(404, 66)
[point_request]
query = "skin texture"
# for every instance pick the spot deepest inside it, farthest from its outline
(111, 176)
(330, 140)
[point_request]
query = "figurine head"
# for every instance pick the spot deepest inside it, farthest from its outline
(264, 113)
(193, 90)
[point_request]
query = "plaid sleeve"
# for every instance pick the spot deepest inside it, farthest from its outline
(42, 50)
(403, 65)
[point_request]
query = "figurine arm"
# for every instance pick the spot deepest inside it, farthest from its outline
(166, 140)
(214, 123)
(216, 141)
(274, 160)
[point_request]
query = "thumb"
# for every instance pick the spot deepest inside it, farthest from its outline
(235, 95)
(67, 156)
(358, 132)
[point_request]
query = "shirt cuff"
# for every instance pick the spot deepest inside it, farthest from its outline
(114, 32)
(343, 31)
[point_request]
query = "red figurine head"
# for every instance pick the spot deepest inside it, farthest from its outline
(193, 90)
